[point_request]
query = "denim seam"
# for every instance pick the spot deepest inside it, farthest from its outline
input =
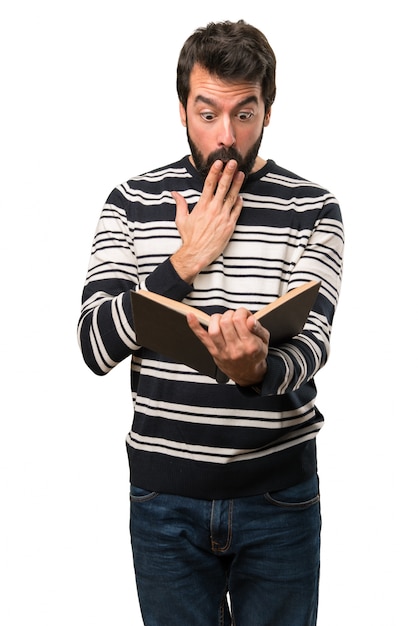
(292, 505)
(215, 546)
(222, 606)
(145, 498)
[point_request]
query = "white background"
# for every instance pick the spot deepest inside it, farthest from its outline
(88, 100)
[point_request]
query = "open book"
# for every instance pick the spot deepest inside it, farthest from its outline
(161, 325)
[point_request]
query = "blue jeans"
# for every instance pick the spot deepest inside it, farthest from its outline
(261, 552)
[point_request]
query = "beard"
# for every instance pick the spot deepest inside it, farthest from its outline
(245, 162)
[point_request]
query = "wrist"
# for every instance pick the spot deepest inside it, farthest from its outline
(186, 265)
(256, 382)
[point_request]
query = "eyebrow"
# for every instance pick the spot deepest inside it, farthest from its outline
(210, 102)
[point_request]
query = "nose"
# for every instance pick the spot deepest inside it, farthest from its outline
(226, 136)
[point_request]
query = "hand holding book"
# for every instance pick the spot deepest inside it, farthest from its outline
(161, 325)
(237, 342)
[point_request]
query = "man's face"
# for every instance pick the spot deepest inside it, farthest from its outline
(224, 121)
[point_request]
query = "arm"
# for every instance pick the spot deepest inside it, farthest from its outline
(243, 352)
(293, 364)
(105, 326)
(105, 329)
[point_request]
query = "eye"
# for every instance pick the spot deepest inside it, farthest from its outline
(243, 116)
(208, 116)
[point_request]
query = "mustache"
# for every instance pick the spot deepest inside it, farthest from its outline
(224, 155)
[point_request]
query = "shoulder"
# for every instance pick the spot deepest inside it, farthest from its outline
(293, 185)
(154, 183)
(282, 188)
(160, 176)
(279, 175)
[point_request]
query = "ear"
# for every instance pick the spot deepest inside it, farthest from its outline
(183, 114)
(267, 118)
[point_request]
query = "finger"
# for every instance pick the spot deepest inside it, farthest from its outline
(236, 324)
(222, 328)
(232, 198)
(232, 201)
(258, 329)
(214, 328)
(236, 187)
(226, 180)
(200, 332)
(242, 323)
(212, 179)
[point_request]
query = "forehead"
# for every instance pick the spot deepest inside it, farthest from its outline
(205, 85)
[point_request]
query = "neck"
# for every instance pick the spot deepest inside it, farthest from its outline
(259, 163)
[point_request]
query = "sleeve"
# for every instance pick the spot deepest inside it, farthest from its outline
(294, 363)
(106, 332)
(105, 326)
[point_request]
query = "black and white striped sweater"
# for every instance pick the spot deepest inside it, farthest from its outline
(190, 435)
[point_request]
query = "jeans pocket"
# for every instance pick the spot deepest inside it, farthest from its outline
(298, 497)
(137, 494)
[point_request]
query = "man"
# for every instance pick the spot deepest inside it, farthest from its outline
(225, 517)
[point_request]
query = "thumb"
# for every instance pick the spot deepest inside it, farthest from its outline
(181, 206)
(258, 329)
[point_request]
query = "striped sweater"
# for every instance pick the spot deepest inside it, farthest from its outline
(190, 435)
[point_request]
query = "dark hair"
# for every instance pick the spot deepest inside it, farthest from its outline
(232, 51)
